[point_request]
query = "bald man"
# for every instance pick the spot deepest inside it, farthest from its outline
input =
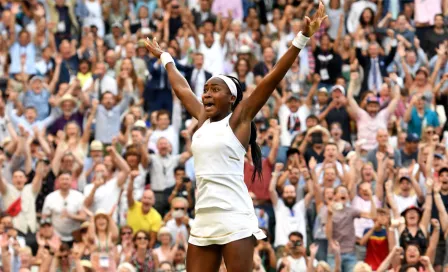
(382, 138)
(141, 214)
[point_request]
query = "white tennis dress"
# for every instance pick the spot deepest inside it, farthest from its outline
(224, 209)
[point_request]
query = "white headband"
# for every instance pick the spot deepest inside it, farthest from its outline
(229, 83)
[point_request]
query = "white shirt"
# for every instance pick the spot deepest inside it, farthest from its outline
(214, 60)
(26, 219)
(284, 115)
(289, 220)
(297, 265)
(198, 78)
(339, 166)
(106, 196)
(175, 229)
(170, 134)
(55, 204)
(162, 171)
(405, 202)
(108, 84)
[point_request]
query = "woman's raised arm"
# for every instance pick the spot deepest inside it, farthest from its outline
(261, 94)
(178, 82)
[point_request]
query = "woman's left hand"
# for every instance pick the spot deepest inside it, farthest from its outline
(153, 47)
(312, 25)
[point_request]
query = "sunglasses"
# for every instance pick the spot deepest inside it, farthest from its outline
(126, 233)
(142, 238)
(175, 7)
(179, 209)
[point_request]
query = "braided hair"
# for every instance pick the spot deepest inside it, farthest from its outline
(255, 149)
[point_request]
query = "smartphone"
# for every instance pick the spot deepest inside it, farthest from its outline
(185, 179)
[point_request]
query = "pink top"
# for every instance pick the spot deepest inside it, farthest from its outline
(223, 7)
(368, 126)
(425, 10)
(363, 206)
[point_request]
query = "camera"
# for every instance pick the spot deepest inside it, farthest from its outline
(185, 179)
(297, 244)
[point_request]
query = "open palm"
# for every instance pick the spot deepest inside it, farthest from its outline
(312, 25)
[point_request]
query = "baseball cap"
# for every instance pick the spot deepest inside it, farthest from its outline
(415, 208)
(140, 124)
(323, 90)
(45, 221)
(96, 146)
(294, 97)
(439, 156)
(244, 49)
(338, 87)
(117, 24)
(412, 137)
(36, 78)
(373, 100)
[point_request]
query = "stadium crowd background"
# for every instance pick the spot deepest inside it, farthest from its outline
(97, 173)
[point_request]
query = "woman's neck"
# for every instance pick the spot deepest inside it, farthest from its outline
(141, 253)
(165, 246)
(102, 235)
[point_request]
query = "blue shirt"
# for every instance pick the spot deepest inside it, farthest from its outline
(430, 118)
(39, 101)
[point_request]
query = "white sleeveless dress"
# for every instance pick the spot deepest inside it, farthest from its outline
(224, 210)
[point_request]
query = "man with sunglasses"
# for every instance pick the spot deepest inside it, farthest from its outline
(296, 253)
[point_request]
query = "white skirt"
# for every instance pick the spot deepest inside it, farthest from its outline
(223, 227)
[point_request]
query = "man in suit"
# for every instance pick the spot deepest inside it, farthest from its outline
(374, 64)
(196, 75)
(157, 94)
(204, 13)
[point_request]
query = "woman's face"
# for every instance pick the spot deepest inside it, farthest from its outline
(412, 254)
(412, 217)
(165, 239)
(101, 223)
(328, 195)
(141, 240)
(336, 132)
(421, 79)
(347, 41)
(126, 65)
(217, 98)
(367, 16)
(325, 43)
(72, 130)
(367, 172)
(84, 68)
(242, 67)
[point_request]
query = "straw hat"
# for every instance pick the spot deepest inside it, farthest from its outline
(67, 97)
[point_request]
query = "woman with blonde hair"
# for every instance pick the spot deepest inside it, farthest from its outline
(73, 141)
(167, 250)
(103, 235)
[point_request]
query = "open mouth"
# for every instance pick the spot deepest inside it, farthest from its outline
(208, 105)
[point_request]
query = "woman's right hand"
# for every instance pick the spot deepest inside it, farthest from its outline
(153, 47)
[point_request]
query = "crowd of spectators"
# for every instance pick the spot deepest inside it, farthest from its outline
(96, 168)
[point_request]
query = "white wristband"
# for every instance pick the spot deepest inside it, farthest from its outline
(166, 58)
(300, 40)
